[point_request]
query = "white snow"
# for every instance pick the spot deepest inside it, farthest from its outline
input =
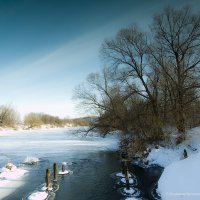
(44, 188)
(10, 179)
(131, 181)
(63, 173)
(120, 174)
(164, 156)
(181, 177)
(130, 191)
(180, 180)
(31, 160)
(38, 196)
(67, 139)
(12, 174)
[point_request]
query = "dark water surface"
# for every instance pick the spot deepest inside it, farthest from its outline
(90, 179)
(147, 180)
(92, 163)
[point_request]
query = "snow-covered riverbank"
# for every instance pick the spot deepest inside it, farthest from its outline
(22, 129)
(180, 179)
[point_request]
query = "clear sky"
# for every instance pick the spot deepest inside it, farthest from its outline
(47, 47)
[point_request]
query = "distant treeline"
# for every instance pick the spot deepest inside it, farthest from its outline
(9, 117)
(32, 120)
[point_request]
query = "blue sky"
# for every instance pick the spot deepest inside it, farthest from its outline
(47, 47)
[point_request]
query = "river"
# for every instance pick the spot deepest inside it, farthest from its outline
(92, 160)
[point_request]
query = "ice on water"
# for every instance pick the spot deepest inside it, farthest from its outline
(30, 160)
(38, 196)
(18, 146)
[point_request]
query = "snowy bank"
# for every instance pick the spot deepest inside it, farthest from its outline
(164, 156)
(180, 179)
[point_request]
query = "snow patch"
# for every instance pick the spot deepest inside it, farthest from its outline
(120, 174)
(63, 173)
(44, 188)
(180, 180)
(38, 196)
(129, 191)
(131, 181)
(164, 156)
(10, 179)
(12, 173)
(31, 160)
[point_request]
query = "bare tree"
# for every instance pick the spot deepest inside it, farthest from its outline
(152, 79)
(8, 116)
(103, 95)
(176, 50)
(32, 120)
(128, 53)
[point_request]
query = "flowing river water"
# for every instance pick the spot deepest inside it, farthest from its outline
(92, 159)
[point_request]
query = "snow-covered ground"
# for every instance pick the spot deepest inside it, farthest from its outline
(11, 177)
(22, 129)
(181, 177)
(180, 180)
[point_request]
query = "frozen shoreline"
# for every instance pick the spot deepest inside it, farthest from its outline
(180, 178)
(19, 130)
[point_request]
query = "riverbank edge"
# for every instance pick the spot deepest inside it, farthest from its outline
(21, 129)
(177, 180)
